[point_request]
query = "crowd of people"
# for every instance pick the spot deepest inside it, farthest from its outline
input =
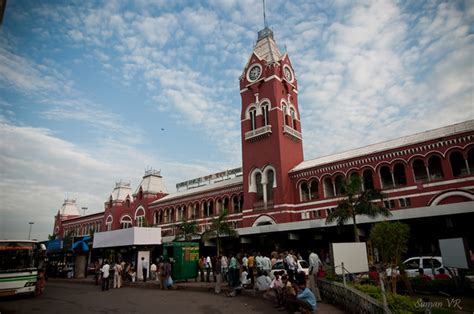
(287, 286)
(120, 271)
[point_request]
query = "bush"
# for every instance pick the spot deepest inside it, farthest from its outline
(397, 303)
(370, 290)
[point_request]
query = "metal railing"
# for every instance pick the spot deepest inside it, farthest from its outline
(351, 299)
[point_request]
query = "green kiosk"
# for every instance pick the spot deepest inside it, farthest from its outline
(184, 257)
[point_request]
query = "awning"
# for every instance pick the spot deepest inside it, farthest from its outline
(127, 237)
(82, 244)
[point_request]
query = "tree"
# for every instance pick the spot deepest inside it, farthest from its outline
(186, 230)
(356, 202)
(390, 239)
(219, 227)
(52, 236)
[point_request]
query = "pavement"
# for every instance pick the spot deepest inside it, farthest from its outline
(192, 285)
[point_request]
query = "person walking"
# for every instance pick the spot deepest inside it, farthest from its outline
(144, 268)
(153, 271)
(314, 263)
(251, 264)
(117, 275)
(208, 268)
(105, 270)
(218, 273)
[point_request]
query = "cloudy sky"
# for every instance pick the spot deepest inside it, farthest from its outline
(96, 92)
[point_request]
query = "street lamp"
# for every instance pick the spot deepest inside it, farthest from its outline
(84, 210)
(29, 233)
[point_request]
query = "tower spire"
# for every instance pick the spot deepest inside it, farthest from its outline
(264, 18)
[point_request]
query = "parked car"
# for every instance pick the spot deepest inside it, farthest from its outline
(278, 266)
(427, 263)
(303, 266)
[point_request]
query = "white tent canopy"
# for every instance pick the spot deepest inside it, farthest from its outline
(126, 237)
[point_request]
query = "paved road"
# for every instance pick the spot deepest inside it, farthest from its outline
(78, 298)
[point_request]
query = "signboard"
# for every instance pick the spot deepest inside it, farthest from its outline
(127, 237)
(210, 178)
(353, 255)
(54, 245)
(454, 253)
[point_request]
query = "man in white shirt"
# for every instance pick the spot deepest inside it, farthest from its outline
(291, 262)
(245, 262)
(208, 268)
(144, 269)
(105, 270)
(314, 263)
(153, 269)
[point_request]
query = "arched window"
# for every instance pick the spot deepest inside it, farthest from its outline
(269, 186)
(156, 217)
(108, 223)
(253, 118)
(328, 187)
(125, 222)
(304, 192)
(368, 180)
(419, 171)
(458, 164)
(399, 174)
(140, 217)
(338, 184)
(284, 108)
(470, 160)
(434, 167)
(313, 189)
(225, 204)
(293, 118)
(265, 108)
(238, 203)
(386, 177)
(355, 176)
(258, 180)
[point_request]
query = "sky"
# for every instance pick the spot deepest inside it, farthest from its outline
(94, 92)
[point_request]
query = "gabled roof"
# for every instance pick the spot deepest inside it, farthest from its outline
(391, 144)
(200, 190)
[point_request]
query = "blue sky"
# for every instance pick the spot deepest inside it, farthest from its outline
(86, 88)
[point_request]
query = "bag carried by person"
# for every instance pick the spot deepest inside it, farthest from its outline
(169, 282)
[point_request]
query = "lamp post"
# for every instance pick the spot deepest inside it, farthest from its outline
(84, 210)
(29, 233)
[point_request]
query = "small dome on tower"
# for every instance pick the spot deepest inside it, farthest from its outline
(121, 191)
(69, 208)
(152, 183)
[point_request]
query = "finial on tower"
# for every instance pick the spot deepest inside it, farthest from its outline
(264, 18)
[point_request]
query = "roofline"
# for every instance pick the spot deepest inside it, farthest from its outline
(294, 170)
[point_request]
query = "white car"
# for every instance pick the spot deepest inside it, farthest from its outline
(427, 263)
(303, 266)
(278, 267)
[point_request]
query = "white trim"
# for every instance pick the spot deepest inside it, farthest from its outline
(427, 185)
(291, 72)
(443, 196)
(399, 214)
(274, 76)
(138, 208)
(244, 90)
(264, 218)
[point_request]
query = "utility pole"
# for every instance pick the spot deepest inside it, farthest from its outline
(29, 232)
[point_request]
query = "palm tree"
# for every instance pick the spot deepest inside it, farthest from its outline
(186, 230)
(219, 227)
(357, 202)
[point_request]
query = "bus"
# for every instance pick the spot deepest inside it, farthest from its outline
(19, 262)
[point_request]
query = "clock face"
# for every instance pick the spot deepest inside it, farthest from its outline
(288, 74)
(254, 73)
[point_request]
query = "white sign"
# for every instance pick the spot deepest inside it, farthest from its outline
(454, 253)
(127, 237)
(353, 255)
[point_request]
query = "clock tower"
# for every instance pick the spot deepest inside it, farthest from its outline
(271, 131)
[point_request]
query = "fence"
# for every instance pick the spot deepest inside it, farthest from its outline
(350, 298)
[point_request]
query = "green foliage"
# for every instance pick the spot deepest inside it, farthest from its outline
(397, 303)
(219, 227)
(52, 236)
(391, 239)
(401, 303)
(356, 202)
(186, 230)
